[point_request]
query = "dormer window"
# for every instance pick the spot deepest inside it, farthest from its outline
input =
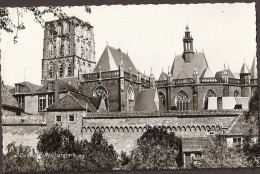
(17, 88)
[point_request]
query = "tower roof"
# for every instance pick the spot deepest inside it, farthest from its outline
(244, 69)
(163, 76)
(110, 60)
(179, 65)
(253, 70)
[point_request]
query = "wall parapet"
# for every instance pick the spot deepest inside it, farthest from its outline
(187, 113)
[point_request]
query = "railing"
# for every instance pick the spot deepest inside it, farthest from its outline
(210, 80)
(161, 83)
(134, 78)
(127, 75)
(182, 81)
(110, 74)
(92, 76)
(234, 81)
(253, 81)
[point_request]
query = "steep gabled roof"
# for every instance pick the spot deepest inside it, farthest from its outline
(72, 101)
(95, 101)
(207, 73)
(109, 60)
(230, 74)
(198, 60)
(183, 75)
(148, 100)
(63, 86)
(163, 76)
(7, 98)
(244, 69)
(253, 71)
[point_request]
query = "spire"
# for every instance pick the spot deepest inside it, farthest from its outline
(244, 69)
(253, 71)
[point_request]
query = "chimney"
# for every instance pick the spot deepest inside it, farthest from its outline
(56, 89)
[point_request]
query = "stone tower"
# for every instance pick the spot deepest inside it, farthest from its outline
(68, 49)
(187, 46)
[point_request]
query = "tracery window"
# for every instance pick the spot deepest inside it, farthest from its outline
(51, 71)
(69, 70)
(101, 91)
(210, 93)
(236, 94)
(163, 98)
(130, 93)
(182, 101)
(61, 70)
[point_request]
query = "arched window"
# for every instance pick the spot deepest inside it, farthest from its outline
(51, 71)
(209, 93)
(51, 50)
(69, 69)
(61, 69)
(163, 98)
(130, 93)
(101, 91)
(182, 101)
(236, 94)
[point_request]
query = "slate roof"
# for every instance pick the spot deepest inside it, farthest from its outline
(95, 101)
(230, 74)
(72, 101)
(163, 76)
(244, 69)
(241, 127)
(28, 88)
(146, 101)
(193, 144)
(110, 59)
(253, 71)
(63, 86)
(207, 73)
(7, 98)
(179, 65)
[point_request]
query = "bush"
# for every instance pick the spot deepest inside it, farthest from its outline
(157, 149)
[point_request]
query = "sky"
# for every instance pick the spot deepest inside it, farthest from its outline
(151, 34)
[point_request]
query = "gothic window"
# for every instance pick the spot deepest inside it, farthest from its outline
(182, 101)
(69, 49)
(209, 93)
(101, 91)
(50, 99)
(61, 50)
(21, 101)
(61, 70)
(236, 94)
(130, 93)
(51, 71)
(163, 98)
(51, 51)
(42, 102)
(69, 70)
(82, 52)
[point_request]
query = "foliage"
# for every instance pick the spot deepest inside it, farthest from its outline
(56, 140)
(157, 149)
(98, 155)
(253, 102)
(20, 159)
(218, 155)
(9, 24)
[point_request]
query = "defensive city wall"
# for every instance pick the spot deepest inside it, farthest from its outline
(121, 129)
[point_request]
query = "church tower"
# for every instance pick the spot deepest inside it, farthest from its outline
(68, 49)
(187, 46)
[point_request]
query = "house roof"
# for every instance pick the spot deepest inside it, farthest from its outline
(197, 60)
(148, 100)
(28, 87)
(244, 69)
(72, 101)
(163, 76)
(241, 126)
(230, 74)
(63, 86)
(7, 98)
(110, 59)
(253, 71)
(194, 144)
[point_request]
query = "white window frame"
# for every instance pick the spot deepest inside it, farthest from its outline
(41, 98)
(73, 116)
(56, 116)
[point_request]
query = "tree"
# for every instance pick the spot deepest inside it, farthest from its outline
(56, 140)
(157, 149)
(20, 159)
(98, 155)
(216, 154)
(10, 25)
